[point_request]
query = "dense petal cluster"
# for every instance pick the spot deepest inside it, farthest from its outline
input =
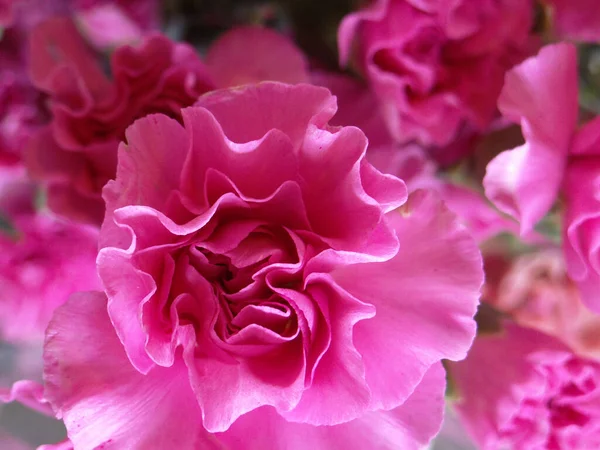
(266, 225)
(538, 395)
(255, 267)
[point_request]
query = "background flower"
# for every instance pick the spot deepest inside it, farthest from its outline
(436, 65)
(522, 389)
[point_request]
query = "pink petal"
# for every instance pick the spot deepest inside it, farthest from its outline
(438, 270)
(357, 106)
(248, 114)
(524, 181)
(408, 427)
(104, 401)
(107, 26)
(29, 393)
(482, 220)
(247, 55)
(338, 392)
(582, 228)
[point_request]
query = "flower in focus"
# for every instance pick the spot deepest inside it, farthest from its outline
(537, 293)
(437, 66)
(523, 390)
(77, 154)
(260, 277)
(525, 181)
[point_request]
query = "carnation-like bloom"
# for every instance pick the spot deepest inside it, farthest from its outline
(435, 65)
(262, 289)
(525, 181)
(523, 390)
(77, 154)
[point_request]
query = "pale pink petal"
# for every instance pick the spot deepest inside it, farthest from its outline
(475, 212)
(524, 181)
(107, 26)
(64, 445)
(104, 401)
(438, 269)
(248, 114)
(29, 393)
(246, 55)
(522, 389)
(408, 427)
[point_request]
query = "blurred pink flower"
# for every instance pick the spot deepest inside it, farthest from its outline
(258, 277)
(537, 293)
(42, 262)
(524, 390)
(436, 66)
(77, 154)
(251, 54)
(575, 19)
(525, 181)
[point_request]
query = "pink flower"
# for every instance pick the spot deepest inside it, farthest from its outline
(258, 278)
(523, 390)
(42, 262)
(525, 181)
(537, 293)
(436, 66)
(77, 154)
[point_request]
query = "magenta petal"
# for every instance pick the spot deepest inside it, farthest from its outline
(104, 401)
(339, 378)
(438, 269)
(59, 51)
(246, 55)
(524, 181)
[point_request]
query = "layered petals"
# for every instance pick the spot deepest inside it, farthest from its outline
(416, 344)
(436, 67)
(524, 181)
(96, 391)
(522, 389)
(231, 254)
(77, 154)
